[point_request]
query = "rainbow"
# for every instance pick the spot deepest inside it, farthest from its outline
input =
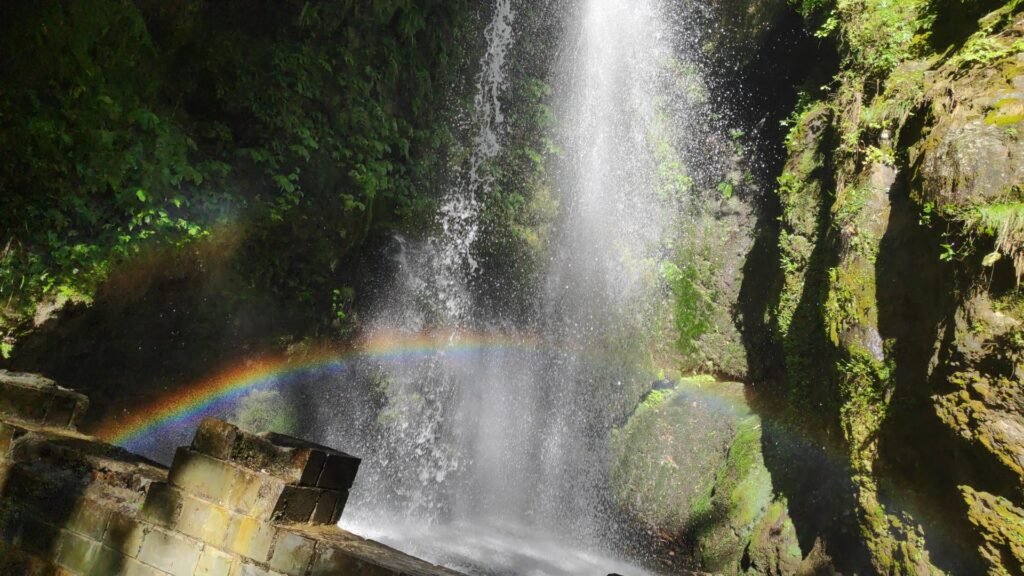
(178, 412)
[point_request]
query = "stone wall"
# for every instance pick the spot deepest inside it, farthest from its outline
(232, 503)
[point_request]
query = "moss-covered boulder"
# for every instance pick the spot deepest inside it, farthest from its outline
(688, 465)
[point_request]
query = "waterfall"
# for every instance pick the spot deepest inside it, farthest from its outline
(496, 460)
(611, 229)
(460, 207)
(420, 442)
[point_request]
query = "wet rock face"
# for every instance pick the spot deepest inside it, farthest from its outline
(899, 315)
(741, 28)
(973, 152)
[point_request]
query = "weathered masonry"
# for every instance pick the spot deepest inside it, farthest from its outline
(232, 503)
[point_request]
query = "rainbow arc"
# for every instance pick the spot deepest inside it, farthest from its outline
(217, 394)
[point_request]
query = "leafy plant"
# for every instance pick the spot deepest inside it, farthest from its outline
(692, 310)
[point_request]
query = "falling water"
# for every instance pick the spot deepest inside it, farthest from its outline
(422, 444)
(497, 463)
(452, 252)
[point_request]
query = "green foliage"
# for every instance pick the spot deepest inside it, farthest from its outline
(91, 165)
(674, 181)
(692, 304)
(265, 411)
(982, 50)
(129, 126)
(725, 189)
(1003, 221)
(876, 155)
(811, 8)
(877, 35)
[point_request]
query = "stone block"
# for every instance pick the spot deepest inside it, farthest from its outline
(133, 567)
(288, 459)
(332, 561)
(247, 569)
(329, 507)
(163, 505)
(296, 504)
(77, 553)
(202, 475)
(36, 399)
(63, 412)
(124, 534)
(255, 494)
(312, 468)
(204, 521)
(169, 552)
(213, 563)
(215, 438)
(89, 519)
(22, 403)
(292, 554)
(250, 537)
(310, 458)
(108, 561)
(339, 472)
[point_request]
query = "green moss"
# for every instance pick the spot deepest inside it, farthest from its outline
(742, 503)
(1006, 112)
(667, 453)
(1001, 525)
(692, 306)
(685, 465)
(774, 548)
(881, 109)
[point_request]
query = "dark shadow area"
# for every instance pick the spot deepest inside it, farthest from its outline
(916, 304)
(44, 491)
(955, 21)
(921, 460)
(162, 323)
(795, 373)
(766, 92)
(31, 492)
(802, 442)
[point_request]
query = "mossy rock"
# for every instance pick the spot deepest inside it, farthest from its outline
(666, 456)
(1001, 525)
(688, 465)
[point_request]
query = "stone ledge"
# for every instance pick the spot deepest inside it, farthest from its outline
(291, 460)
(32, 398)
(234, 504)
(341, 552)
